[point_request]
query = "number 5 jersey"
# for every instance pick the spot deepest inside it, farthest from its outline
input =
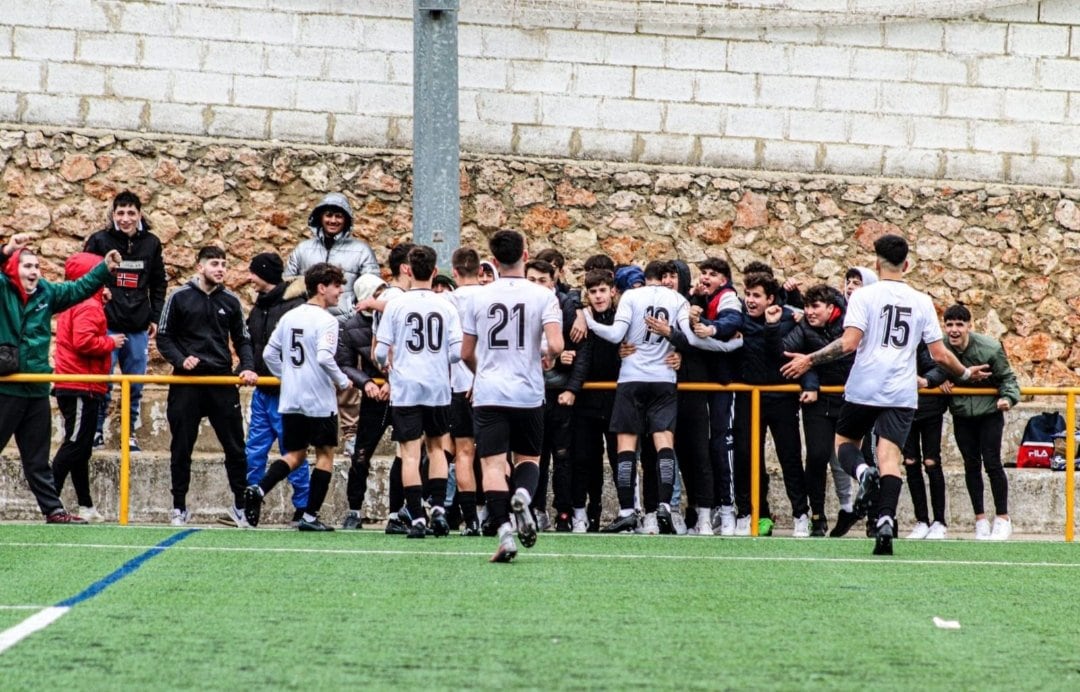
(301, 352)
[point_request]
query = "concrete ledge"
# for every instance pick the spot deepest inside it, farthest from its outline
(1036, 496)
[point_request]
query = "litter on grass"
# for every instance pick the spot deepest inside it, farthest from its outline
(946, 624)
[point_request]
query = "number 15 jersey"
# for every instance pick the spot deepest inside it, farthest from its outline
(507, 317)
(893, 318)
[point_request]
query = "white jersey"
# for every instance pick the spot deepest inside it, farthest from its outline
(894, 318)
(646, 363)
(424, 332)
(388, 294)
(461, 378)
(301, 352)
(507, 317)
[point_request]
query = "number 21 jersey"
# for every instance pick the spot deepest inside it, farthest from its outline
(507, 317)
(894, 318)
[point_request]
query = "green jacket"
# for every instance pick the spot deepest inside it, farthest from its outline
(34, 318)
(984, 349)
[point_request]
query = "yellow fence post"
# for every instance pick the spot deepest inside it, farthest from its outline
(125, 451)
(755, 459)
(1070, 460)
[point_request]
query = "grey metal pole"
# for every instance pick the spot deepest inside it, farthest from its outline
(436, 201)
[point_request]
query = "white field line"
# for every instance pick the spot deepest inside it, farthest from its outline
(22, 607)
(38, 621)
(561, 556)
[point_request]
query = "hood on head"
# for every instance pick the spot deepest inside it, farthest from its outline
(683, 270)
(80, 264)
(332, 200)
(490, 266)
(11, 269)
(626, 277)
(868, 276)
(366, 286)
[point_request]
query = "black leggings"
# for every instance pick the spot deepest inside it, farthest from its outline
(979, 440)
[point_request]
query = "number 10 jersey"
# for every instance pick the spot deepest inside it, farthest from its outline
(507, 317)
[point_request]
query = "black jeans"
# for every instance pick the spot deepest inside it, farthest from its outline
(188, 404)
(73, 458)
(373, 420)
(923, 449)
(780, 416)
(590, 436)
(30, 421)
(819, 425)
(979, 440)
(555, 451)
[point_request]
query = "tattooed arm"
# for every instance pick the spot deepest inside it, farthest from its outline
(800, 362)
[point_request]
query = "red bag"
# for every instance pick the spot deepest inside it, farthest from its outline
(1034, 455)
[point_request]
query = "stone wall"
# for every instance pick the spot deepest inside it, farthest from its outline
(992, 96)
(1011, 253)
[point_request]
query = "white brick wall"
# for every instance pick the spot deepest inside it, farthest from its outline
(993, 97)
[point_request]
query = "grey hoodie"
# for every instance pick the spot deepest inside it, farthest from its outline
(353, 256)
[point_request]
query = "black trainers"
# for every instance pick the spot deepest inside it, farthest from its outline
(471, 528)
(396, 527)
(866, 501)
(621, 524)
(418, 530)
(563, 523)
(253, 499)
(315, 525)
(844, 521)
(352, 521)
(819, 525)
(439, 526)
(663, 521)
(884, 538)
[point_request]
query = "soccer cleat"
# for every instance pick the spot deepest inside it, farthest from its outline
(471, 528)
(871, 527)
(507, 550)
(704, 525)
(884, 538)
(63, 517)
(99, 440)
(352, 520)
(663, 520)
(650, 525)
(801, 528)
(526, 525)
(920, 531)
(133, 445)
(982, 530)
(234, 516)
(91, 515)
(439, 526)
(253, 499)
(622, 524)
(742, 526)
(765, 526)
(937, 531)
(179, 517)
(313, 525)
(418, 529)
(579, 525)
(395, 526)
(819, 526)
(563, 523)
(844, 521)
(1001, 530)
(866, 501)
(678, 522)
(543, 522)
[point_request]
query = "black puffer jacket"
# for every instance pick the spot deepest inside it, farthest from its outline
(138, 286)
(354, 350)
(597, 360)
(807, 339)
(264, 316)
(760, 357)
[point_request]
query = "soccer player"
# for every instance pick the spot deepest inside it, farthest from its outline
(503, 329)
(301, 353)
(418, 339)
(883, 326)
(645, 391)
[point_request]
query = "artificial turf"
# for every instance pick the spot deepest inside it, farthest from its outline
(227, 609)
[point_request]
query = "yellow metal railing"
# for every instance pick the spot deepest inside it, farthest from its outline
(755, 424)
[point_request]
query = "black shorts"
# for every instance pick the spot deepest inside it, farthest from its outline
(501, 429)
(643, 408)
(461, 415)
(298, 432)
(857, 420)
(413, 422)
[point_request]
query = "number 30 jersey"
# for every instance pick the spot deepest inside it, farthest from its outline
(301, 352)
(425, 333)
(894, 318)
(507, 317)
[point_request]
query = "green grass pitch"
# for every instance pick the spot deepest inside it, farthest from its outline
(267, 609)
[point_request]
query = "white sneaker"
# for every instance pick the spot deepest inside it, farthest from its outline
(579, 525)
(1002, 529)
(179, 517)
(982, 530)
(91, 515)
(727, 522)
(802, 527)
(937, 531)
(678, 522)
(742, 527)
(649, 527)
(237, 516)
(919, 531)
(703, 527)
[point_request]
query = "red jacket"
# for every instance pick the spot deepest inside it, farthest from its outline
(82, 346)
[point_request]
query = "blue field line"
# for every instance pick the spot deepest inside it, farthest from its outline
(124, 570)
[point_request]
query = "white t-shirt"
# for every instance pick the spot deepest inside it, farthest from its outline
(424, 332)
(894, 318)
(461, 378)
(507, 317)
(388, 294)
(301, 352)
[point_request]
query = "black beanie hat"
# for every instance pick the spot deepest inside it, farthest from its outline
(268, 267)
